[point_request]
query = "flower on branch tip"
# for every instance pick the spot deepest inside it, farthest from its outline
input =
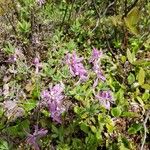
(105, 98)
(76, 67)
(32, 139)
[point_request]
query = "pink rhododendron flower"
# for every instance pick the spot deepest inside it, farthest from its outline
(32, 139)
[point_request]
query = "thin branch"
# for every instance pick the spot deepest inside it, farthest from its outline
(64, 17)
(97, 23)
(108, 7)
(71, 10)
(145, 130)
(125, 7)
(98, 13)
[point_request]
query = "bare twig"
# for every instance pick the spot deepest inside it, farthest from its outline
(145, 130)
(97, 23)
(98, 13)
(80, 9)
(108, 8)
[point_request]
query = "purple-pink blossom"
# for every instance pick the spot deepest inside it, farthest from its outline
(95, 58)
(37, 64)
(40, 2)
(12, 59)
(96, 55)
(76, 67)
(99, 74)
(98, 71)
(105, 98)
(53, 100)
(32, 139)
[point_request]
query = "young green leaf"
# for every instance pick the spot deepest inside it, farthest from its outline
(116, 112)
(132, 19)
(84, 127)
(3, 145)
(131, 78)
(146, 86)
(130, 56)
(141, 76)
(134, 128)
(29, 105)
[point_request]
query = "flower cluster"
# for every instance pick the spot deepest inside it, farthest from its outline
(33, 138)
(105, 98)
(95, 59)
(96, 55)
(53, 100)
(76, 67)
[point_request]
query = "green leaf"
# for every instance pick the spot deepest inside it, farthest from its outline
(1, 112)
(129, 114)
(24, 26)
(9, 48)
(140, 100)
(130, 56)
(144, 63)
(123, 59)
(54, 129)
(131, 78)
(146, 86)
(141, 76)
(122, 147)
(3, 145)
(84, 127)
(116, 112)
(134, 128)
(46, 113)
(19, 129)
(77, 109)
(132, 19)
(145, 96)
(110, 127)
(93, 128)
(29, 105)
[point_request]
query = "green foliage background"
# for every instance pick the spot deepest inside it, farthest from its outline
(120, 28)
